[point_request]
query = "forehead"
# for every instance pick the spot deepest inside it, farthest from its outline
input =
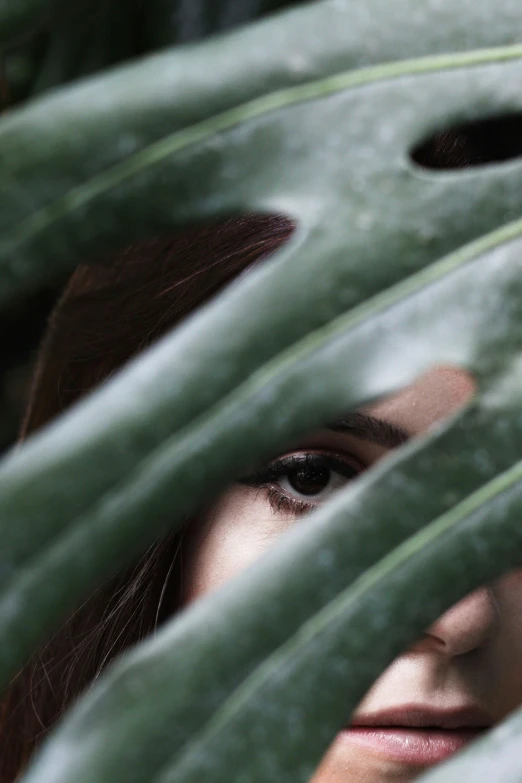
(435, 395)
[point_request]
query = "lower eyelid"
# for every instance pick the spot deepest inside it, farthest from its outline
(291, 506)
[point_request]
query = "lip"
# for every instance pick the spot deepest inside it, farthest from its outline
(415, 734)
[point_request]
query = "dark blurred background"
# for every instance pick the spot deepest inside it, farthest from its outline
(21, 328)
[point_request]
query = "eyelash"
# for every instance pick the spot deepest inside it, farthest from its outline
(283, 466)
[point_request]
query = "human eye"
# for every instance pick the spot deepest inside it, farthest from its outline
(299, 482)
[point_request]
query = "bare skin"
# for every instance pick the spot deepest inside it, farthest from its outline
(469, 657)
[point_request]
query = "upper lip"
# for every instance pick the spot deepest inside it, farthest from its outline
(422, 717)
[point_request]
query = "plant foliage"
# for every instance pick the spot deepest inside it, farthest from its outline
(312, 112)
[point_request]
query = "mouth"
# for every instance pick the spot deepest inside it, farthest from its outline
(417, 735)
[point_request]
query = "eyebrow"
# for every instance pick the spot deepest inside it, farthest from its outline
(369, 428)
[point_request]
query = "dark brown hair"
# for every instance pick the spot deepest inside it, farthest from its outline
(109, 312)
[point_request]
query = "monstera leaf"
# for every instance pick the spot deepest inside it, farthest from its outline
(313, 113)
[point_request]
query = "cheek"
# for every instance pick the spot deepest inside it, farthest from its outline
(506, 644)
(236, 530)
(508, 594)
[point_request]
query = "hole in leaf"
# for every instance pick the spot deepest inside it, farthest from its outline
(435, 395)
(124, 301)
(477, 143)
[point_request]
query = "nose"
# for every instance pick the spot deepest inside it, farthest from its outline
(466, 626)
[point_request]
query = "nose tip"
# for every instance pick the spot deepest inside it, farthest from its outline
(464, 627)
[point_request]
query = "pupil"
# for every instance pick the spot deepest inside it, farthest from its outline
(309, 480)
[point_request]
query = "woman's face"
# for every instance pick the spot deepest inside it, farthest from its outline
(465, 669)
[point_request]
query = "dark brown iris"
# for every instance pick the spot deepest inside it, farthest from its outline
(309, 480)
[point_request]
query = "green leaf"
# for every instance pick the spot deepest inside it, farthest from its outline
(374, 287)
(148, 147)
(267, 610)
(88, 454)
(150, 402)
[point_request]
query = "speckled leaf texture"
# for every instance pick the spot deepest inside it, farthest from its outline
(311, 111)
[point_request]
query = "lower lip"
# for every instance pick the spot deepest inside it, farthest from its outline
(411, 746)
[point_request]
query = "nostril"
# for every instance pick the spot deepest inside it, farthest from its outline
(465, 626)
(477, 143)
